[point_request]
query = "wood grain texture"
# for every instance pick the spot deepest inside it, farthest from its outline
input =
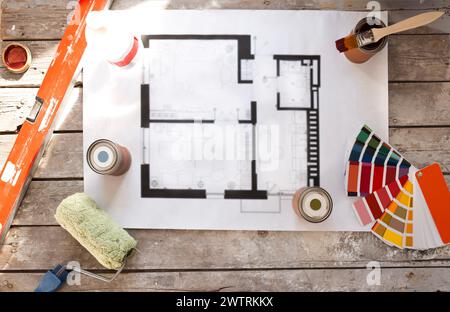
(42, 54)
(440, 26)
(16, 103)
(419, 58)
(6, 144)
(354, 5)
(392, 279)
(423, 146)
(42, 19)
(63, 157)
(41, 247)
(410, 104)
(34, 19)
(40, 202)
(419, 104)
(411, 58)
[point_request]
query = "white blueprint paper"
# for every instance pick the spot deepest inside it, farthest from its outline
(244, 108)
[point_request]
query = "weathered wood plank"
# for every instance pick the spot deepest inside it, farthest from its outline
(42, 53)
(392, 279)
(42, 247)
(6, 143)
(40, 202)
(423, 146)
(63, 157)
(418, 104)
(441, 26)
(410, 104)
(352, 5)
(41, 19)
(34, 19)
(411, 58)
(419, 58)
(16, 103)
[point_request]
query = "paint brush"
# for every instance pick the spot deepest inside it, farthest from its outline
(373, 35)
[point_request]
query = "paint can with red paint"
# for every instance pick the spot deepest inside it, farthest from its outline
(16, 57)
(112, 42)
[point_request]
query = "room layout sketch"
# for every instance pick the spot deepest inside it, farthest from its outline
(213, 108)
(294, 73)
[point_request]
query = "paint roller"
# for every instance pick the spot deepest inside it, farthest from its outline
(96, 231)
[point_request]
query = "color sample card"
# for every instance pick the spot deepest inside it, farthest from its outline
(372, 207)
(395, 226)
(411, 212)
(437, 196)
(409, 208)
(373, 164)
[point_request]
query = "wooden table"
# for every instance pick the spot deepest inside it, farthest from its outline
(419, 121)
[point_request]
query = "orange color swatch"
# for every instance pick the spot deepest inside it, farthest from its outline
(437, 196)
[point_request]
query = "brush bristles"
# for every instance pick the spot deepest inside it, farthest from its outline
(355, 41)
(347, 43)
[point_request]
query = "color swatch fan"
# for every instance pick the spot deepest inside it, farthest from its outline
(373, 164)
(412, 210)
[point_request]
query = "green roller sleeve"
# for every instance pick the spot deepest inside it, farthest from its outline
(95, 230)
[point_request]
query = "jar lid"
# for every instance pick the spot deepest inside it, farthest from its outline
(16, 57)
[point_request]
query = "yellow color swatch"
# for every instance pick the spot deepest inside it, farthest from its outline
(404, 199)
(408, 187)
(393, 238)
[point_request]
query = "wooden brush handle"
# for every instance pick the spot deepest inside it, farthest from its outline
(409, 23)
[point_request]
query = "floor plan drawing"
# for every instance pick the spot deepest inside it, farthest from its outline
(216, 105)
(226, 114)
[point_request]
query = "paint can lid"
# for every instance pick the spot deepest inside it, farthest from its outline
(16, 57)
(102, 156)
(314, 204)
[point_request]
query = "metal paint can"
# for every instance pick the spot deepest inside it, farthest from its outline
(363, 54)
(314, 204)
(108, 158)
